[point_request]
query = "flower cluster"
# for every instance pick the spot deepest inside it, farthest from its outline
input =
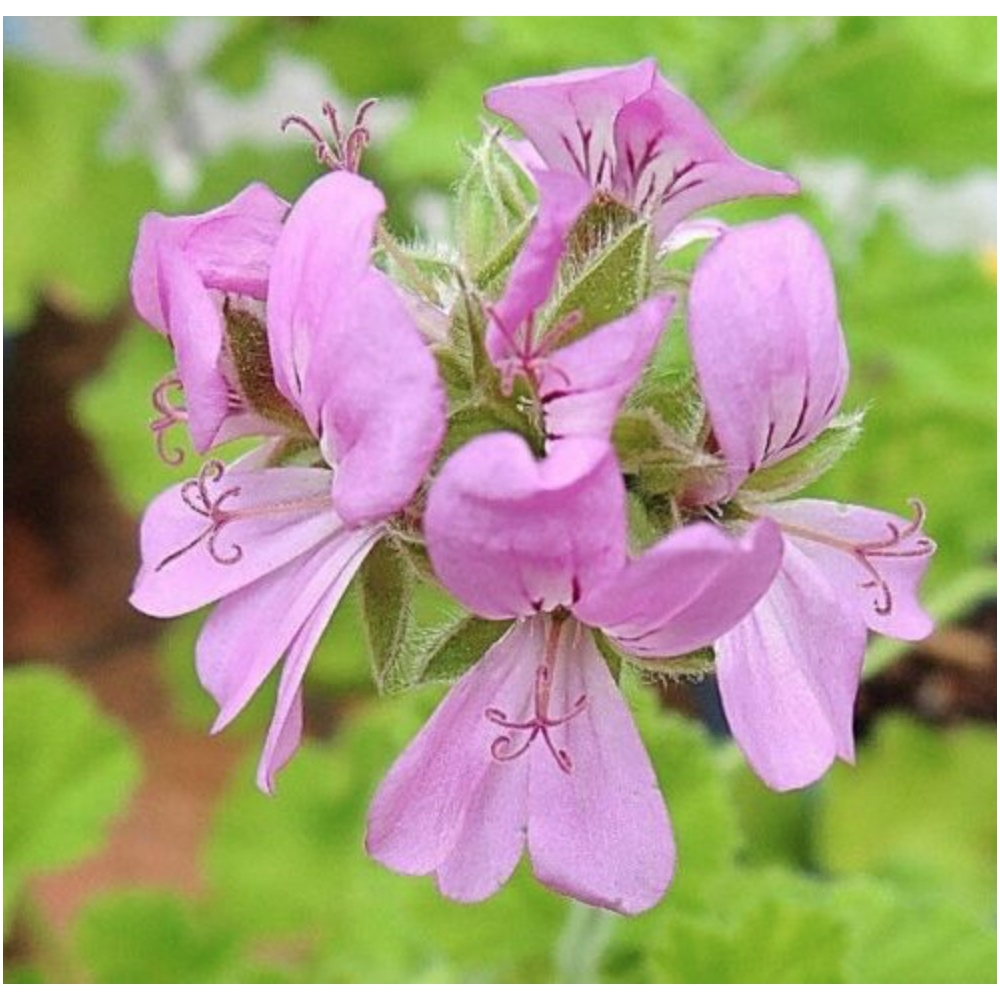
(494, 420)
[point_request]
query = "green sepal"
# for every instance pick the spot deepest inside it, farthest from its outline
(386, 588)
(453, 650)
(691, 666)
(605, 274)
(495, 200)
(246, 341)
(805, 466)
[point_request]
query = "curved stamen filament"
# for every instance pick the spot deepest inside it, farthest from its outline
(344, 149)
(900, 543)
(170, 414)
(504, 748)
(197, 496)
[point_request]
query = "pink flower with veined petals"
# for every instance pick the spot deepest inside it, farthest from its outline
(626, 131)
(534, 747)
(580, 386)
(185, 270)
(276, 547)
(772, 365)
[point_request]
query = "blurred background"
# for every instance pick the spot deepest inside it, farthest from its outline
(137, 849)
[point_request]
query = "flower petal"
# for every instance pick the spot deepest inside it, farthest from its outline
(686, 591)
(561, 198)
(251, 629)
(228, 248)
(874, 560)
(569, 117)
(788, 675)
(347, 353)
(583, 386)
(344, 558)
(446, 805)
(766, 341)
(599, 833)
(671, 162)
(510, 535)
(273, 516)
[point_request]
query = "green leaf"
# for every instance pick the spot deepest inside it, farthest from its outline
(70, 772)
(121, 33)
(386, 581)
(919, 807)
(70, 212)
(451, 651)
(143, 936)
(804, 467)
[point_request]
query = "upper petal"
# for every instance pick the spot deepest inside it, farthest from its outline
(569, 117)
(348, 354)
(189, 560)
(671, 162)
(766, 341)
(788, 675)
(561, 198)
(874, 560)
(447, 805)
(510, 535)
(229, 248)
(600, 831)
(583, 386)
(686, 591)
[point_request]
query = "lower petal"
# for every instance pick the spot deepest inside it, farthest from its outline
(788, 675)
(600, 831)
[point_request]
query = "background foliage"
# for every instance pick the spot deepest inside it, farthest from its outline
(884, 873)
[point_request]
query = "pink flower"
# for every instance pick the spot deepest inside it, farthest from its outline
(580, 386)
(534, 747)
(772, 365)
(626, 131)
(185, 272)
(277, 546)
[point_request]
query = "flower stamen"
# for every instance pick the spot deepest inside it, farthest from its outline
(503, 749)
(196, 495)
(344, 149)
(170, 414)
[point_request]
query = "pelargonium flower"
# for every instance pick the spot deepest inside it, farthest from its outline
(276, 546)
(626, 131)
(534, 747)
(771, 361)
(187, 274)
(582, 385)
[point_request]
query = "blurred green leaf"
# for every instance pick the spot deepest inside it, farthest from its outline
(70, 771)
(116, 33)
(920, 807)
(70, 211)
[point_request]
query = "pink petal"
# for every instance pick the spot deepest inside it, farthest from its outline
(874, 560)
(281, 513)
(446, 805)
(599, 833)
(250, 630)
(583, 386)
(766, 341)
(671, 162)
(510, 535)
(561, 199)
(686, 591)
(788, 674)
(228, 248)
(569, 117)
(348, 354)
(344, 558)
(195, 324)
